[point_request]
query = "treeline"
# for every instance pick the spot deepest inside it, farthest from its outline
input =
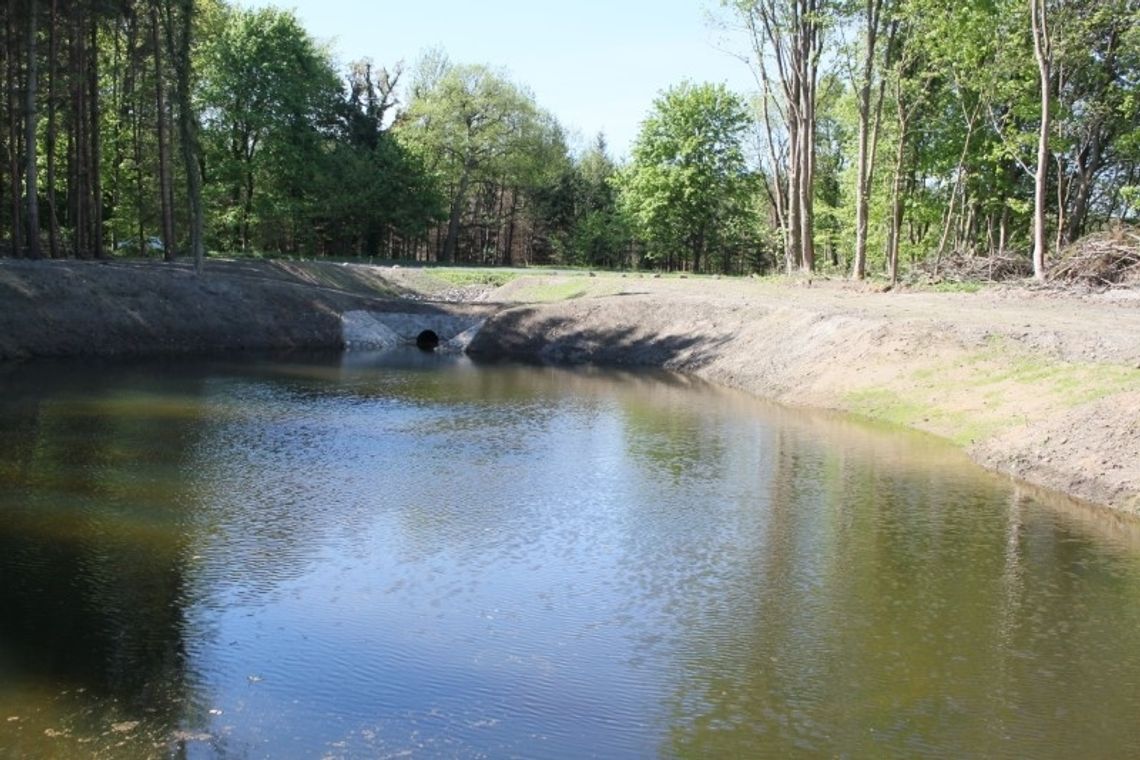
(897, 131)
(165, 127)
(97, 97)
(148, 126)
(885, 134)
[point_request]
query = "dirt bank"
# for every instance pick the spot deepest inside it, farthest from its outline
(69, 308)
(1044, 386)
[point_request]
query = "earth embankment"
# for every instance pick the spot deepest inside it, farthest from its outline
(75, 308)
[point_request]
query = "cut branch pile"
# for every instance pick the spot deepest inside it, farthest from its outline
(967, 267)
(1101, 260)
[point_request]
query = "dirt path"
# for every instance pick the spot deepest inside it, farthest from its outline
(1042, 385)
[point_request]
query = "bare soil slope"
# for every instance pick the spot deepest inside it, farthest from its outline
(75, 308)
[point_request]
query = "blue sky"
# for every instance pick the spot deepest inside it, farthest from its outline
(596, 65)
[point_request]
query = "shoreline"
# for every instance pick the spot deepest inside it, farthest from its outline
(1055, 404)
(1043, 387)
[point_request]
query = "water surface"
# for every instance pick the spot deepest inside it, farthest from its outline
(408, 553)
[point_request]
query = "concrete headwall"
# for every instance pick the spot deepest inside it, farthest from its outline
(372, 330)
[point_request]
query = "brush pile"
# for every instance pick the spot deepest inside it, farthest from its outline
(1101, 260)
(969, 267)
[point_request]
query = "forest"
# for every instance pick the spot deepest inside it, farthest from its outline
(882, 137)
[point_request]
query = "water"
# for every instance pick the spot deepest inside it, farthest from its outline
(412, 554)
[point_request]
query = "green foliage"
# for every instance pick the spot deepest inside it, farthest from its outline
(493, 277)
(296, 162)
(482, 138)
(687, 188)
(302, 159)
(265, 89)
(589, 228)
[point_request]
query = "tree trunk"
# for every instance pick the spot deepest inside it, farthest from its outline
(1063, 187)
(954, 191)
(31, 114)
(1088, 165)
(895, 231)
(863, 167)
(510, 246)
(188, 124)
(246, 205)
(1043, 53)
(457, 203)
(14, 195)
(95, 154)
(792, 233)
(77, 180)
(165, 185)
(807, 180)
(53, 70)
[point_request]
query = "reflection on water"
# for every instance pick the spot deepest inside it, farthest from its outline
(411, 553)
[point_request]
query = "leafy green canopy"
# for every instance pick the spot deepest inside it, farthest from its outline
(480, 135)
(688, 186)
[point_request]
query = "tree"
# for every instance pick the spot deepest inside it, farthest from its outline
(787, 44)
(372, 196)
(599, 233)
(265, 87)
(11, 67)
(1043, 53)
(1098, 114)
(165, 188)
(178, 20)
(31, 115)
(474, 128)
(868, 130)
(688, 177)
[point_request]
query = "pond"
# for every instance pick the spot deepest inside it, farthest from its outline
(412, 555)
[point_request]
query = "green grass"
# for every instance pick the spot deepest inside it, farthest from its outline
(991, 374)
(888, 407)
(463, 276)
(551, 291)
(968, 286)
(1074, 383)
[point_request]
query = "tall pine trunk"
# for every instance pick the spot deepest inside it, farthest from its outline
(897, 199)
(792, 233)
(53, 73)
(452, 241)
(188, 123)
(13, 72)
(165, 186)
(865, 162)
(95, 152)
(31, 114)
(77, 184)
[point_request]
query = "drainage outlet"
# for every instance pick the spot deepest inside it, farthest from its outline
(427, 340)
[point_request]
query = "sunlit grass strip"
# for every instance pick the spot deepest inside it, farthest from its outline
(941, 395)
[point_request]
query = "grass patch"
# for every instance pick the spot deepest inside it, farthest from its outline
(551, 291)
(888, 407)
(462, 277)
(967, 286)
(1072, 383)
(981, 394)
